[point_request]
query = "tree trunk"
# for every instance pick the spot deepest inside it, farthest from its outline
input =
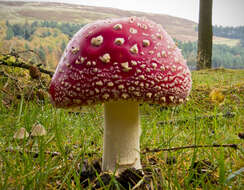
(205, 34)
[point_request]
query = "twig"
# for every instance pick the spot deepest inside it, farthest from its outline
(3, 74)
(23, 65)
(16, 53)
(35, 154)
(235, 146)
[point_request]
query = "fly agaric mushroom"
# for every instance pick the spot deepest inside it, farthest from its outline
(21, 133)
(121, 63)
(38, 130)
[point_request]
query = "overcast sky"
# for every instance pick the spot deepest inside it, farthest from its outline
(225, 12)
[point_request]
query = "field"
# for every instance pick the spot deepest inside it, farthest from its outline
(226, 41)
(62, 159)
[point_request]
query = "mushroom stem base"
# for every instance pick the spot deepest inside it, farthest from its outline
(121, 148)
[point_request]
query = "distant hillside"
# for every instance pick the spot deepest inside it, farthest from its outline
(181, 29)
(46, 28)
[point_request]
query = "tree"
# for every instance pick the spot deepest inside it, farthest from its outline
(242, 42)
(18, 30)
(42, 54)
(27, 46)
(9, 34)
(205, 34)
(27, 31)
(63, 45)
(50, 49)
(7, 23)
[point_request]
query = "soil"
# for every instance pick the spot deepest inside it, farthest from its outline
(128, 179)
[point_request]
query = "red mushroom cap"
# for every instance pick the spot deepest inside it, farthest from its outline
(121, 59)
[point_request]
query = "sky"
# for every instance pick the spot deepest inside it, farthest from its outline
(225, 12)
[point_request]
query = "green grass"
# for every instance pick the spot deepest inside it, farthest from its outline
(78, 137)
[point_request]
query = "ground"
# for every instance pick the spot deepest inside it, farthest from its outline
(214, 115)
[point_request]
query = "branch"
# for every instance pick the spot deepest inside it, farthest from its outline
(23, 65)
(52, 154)
(3, 74)
(235, 146)
(15, 53)
(34, 153)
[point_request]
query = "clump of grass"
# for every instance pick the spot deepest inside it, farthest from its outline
(55, 161)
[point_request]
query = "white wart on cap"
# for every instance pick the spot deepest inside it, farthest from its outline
(121, 59)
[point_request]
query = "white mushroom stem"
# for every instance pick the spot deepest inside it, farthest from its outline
(121, 147)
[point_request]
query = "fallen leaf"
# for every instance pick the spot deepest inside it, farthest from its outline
(216, 96)
(21, 133)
